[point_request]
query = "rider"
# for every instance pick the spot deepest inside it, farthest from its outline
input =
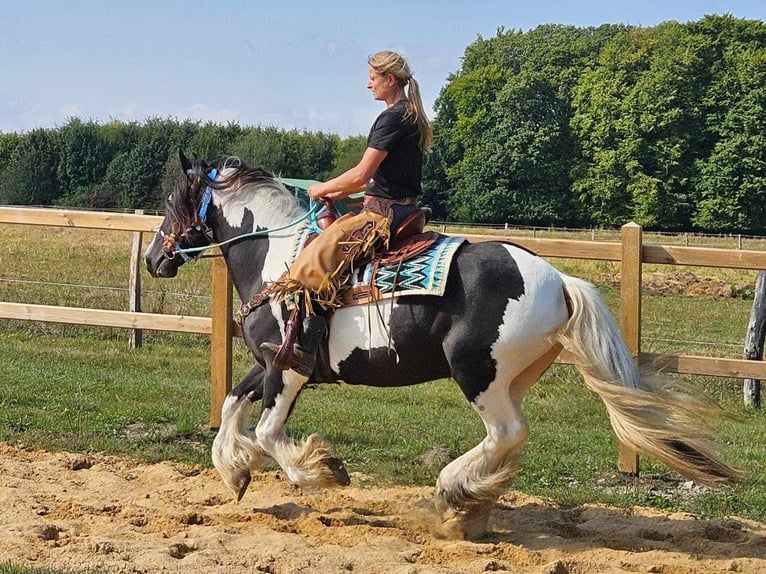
(390, 174)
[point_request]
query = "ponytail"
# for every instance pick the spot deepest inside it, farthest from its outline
(387, 62)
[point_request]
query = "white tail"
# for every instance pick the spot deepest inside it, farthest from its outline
(646, 414)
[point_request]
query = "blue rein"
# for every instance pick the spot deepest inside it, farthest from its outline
(191, 253)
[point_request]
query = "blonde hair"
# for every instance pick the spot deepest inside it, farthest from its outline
(387, 62)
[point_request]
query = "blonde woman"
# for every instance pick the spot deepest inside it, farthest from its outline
(389, 173)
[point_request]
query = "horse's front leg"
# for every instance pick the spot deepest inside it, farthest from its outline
(307, 464)
(236, 451)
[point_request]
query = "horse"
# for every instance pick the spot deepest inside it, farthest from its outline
(505, 315)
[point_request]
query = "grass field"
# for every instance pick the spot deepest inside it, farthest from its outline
(80, 389)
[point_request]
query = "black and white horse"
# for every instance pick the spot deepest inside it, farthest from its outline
(504, 317)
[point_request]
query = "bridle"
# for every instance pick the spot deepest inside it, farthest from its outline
(171, 247)
(170, 240)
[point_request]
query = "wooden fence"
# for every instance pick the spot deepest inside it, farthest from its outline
(630, 252)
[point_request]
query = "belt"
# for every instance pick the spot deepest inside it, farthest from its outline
(381, 205)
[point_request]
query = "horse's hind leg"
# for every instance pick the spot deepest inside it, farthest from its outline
(469, 485)
(236, 451)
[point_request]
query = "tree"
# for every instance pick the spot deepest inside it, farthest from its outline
(260, 146)
(212, 140)
(347, 154)
(518, 172)
(639, 124)
(84, 155)
(732, 181)
(510, 159)
(8, 143)
(463, 117)
(291, 154)
(133, 177)
(29, 178)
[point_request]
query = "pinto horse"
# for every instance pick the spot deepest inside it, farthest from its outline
(504, 317)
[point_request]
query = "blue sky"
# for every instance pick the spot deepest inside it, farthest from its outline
(285, 63)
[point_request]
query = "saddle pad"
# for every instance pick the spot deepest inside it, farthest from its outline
(424, 274)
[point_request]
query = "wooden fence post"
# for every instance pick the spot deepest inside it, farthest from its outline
(630, 317)
(220, 339)
(134, 285)
(756, 331)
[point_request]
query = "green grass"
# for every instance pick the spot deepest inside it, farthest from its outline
(91, 395)
(80, 389)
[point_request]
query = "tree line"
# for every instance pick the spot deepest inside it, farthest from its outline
(134, 165)
(664, 126)
(560, 125)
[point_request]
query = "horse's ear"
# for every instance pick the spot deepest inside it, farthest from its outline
(185, 163)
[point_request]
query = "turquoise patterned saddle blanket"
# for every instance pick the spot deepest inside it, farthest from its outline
(424, 274)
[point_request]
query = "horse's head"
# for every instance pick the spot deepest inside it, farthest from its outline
(185, 225)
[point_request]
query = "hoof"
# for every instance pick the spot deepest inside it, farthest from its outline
(468, 524)
(244, 482)
(338, 470)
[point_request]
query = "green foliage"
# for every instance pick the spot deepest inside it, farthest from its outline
(502, 135)
(133, 177)
(132, 166)
(212, 140)
(601, 126)
(8, 143)
(518, 171)
(29, 178)
(348, 154)
(637, 120)
(732, 183)
(559, 125)
(295, 154)
(84, 155)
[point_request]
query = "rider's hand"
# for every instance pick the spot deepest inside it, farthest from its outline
(317, 190)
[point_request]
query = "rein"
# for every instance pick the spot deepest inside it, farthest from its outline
(191, 253)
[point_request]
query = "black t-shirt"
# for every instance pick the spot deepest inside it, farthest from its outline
(400, 174)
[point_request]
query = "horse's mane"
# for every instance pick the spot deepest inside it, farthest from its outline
(236, 181)
(236, 173)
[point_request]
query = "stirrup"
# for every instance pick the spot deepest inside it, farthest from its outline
(274, 350)
(299, 361)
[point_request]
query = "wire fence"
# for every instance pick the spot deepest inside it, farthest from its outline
(687, 239)
(55, 292)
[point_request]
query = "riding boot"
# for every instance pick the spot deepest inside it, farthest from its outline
(309, 339)
(302, 356)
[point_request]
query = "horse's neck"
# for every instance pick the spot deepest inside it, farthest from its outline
(255, 261)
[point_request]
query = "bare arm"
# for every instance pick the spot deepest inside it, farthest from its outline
(350, 181)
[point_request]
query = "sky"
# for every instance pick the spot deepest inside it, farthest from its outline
(290, 64)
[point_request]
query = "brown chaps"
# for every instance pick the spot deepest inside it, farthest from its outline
(322, 268)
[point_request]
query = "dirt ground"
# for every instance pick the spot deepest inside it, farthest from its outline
(685, 283)
(116, 515)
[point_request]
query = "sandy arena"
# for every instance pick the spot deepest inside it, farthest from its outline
(112, 514)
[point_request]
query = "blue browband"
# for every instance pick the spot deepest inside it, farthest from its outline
(207, 197)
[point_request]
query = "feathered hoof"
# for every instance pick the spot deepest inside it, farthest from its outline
(338, 470)
(243, 479)
(470, 523)
(237, 480)
(314, 467)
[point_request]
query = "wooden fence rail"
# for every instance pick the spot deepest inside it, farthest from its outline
(629, 251)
